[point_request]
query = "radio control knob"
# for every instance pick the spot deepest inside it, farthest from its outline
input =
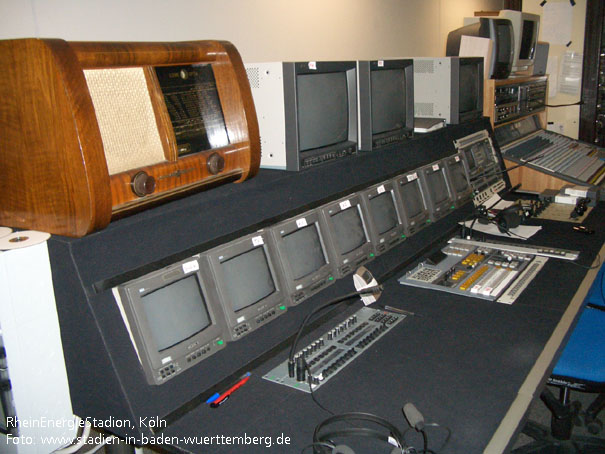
(142, 184)
(215, 163)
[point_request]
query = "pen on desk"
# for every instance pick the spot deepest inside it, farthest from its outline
(400, 311)
(220, 399)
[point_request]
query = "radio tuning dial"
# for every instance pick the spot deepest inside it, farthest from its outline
(142, 184)
(215, 163)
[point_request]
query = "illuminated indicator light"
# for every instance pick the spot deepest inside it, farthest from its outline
(428, 221)
(221, 342)
(371, 255)
(453, 206)
(282, 307)
(331, 278)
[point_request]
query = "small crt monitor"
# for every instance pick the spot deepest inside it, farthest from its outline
(439, 195)
(248, 282)
(458, 179)
(173, 321)
(307, 111)
(385, 218)
(385, 102)
(345, 224)
(449, 88)
(303, 253)
(412, 201)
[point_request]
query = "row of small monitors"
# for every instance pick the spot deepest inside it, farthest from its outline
(182, 314)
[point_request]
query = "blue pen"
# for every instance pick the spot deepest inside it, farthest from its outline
(213, 398)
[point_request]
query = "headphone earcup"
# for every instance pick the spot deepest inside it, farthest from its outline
(342, 449)
(508, 219)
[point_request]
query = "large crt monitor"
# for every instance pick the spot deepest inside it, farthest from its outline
(526, 27)
(412, 200)
(386, 102)
(449, 88)
(301, 247)
(173, 321)
(385, 218)
(307, 112)
(439, 195)
(501, 33)
(247, 282)
(345, 224)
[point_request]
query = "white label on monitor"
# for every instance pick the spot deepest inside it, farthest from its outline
(345, 204)
(166, 360)
(380, 189)
(257, 241)
(457, 158)
(312, 65)
(240, 319)
(412, 176)
(299, 287)
(300, 223)
(188, 267)
(380, 63)
(435, 167)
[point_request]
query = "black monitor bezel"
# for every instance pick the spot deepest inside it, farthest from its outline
(183, 355)
(440, 209)
(420, 220)
(348, 262)
(295, 158)
(261, 312)
(460, 196)
(456, 63)
(306, 286)
(384, 241)
(367, 140)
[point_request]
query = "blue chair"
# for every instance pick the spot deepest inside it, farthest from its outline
(580, 368)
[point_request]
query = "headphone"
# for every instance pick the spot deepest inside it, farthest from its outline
(323, 442)
(508, 218)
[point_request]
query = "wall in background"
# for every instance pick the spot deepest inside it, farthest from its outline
(564, 120)
(262, 30)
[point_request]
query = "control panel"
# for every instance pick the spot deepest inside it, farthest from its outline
(327, 355)
(491, 271)
(517, 100)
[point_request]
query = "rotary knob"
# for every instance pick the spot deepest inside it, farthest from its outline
(215, 163)
(142, 184)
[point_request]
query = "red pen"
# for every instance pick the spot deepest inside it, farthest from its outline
(224, 396)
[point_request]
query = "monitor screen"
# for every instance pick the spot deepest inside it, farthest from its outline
(504, 37)
(412, 198)
(348, 230)
(469, 87)
(526, 51)
(383, 212)
(437, 186)
(459, 180)
(304, 251)
(388, 100)
(323, 109)
(248, 277)
(175, 312)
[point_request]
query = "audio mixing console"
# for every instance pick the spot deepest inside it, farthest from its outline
(491, 271)
(329, 354)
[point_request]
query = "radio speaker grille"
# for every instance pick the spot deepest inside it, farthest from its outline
(126, 118)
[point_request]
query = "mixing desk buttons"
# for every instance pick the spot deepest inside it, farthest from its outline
(473, 260)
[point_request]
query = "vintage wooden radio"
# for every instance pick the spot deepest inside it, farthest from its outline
(90, 131)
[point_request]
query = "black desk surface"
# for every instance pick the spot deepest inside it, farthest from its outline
(460, 360)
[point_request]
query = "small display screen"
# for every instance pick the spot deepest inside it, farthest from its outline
(469, 88)
(412, 199)
(323, 109)
(503, 32)
(437, 186)
(304, 250)
(194, 107)
(348, 230)
(176, 312)
(526, 51)
(388, 100)
(384, 213)
(459, 176)
(248, 278)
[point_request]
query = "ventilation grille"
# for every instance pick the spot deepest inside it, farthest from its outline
(126, 118)
(253, 74)
(424, 67)
(423, 109)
